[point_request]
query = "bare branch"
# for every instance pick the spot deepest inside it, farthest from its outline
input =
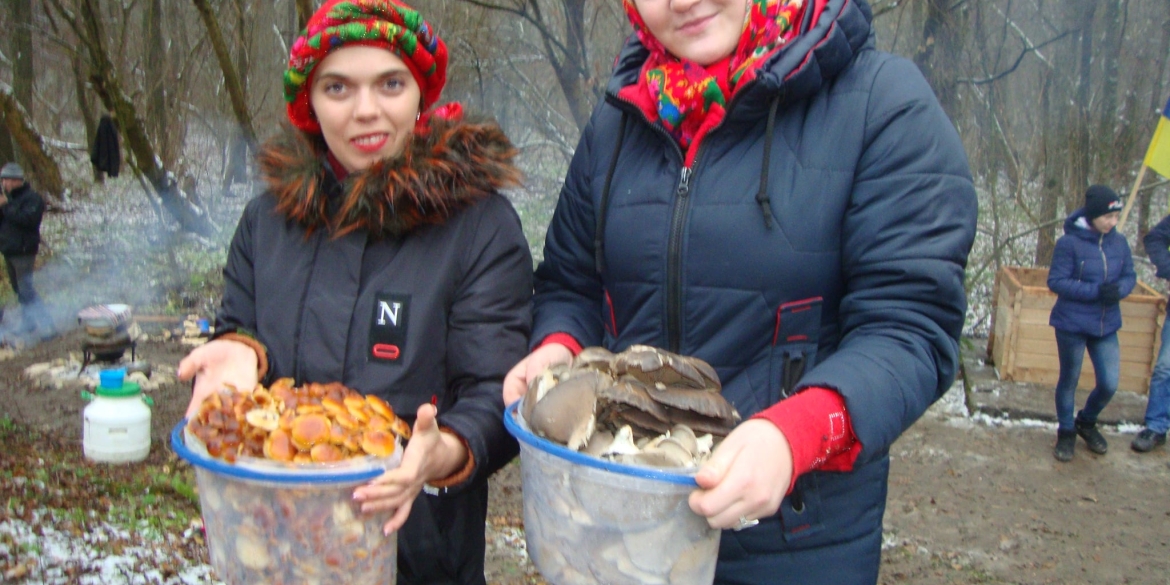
(1028, 48)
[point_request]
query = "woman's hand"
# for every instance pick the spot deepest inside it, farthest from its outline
(215, 364)
(430, 454)
(746, 477)
(516, 382)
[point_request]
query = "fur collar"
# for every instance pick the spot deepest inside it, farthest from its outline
(449, 168)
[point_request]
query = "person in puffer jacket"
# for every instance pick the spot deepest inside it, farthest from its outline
(763, 189)
(1091, 271)
(384, 257)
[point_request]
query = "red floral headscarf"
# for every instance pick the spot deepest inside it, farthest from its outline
(686, 93)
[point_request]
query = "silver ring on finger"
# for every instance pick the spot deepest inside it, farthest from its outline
(745, 523)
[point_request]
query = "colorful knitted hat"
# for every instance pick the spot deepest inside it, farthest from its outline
(389, 24)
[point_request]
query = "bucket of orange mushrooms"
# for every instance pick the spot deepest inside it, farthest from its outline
(276, 468)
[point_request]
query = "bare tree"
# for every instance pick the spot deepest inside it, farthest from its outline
(87, 25)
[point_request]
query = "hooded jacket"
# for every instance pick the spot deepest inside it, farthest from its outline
(1082, 261)
(410, 280)
(845, 271)
(20, 222)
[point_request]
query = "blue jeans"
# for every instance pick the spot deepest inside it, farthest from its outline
(1158, 406)
(1105, 354)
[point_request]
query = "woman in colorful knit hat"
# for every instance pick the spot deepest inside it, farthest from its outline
(763, 189)
(383, 256)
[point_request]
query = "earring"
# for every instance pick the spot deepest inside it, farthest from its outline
(418, 116)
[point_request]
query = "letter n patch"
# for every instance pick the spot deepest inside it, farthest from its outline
(388, 327)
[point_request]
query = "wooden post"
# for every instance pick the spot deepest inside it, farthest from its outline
(1132, 197)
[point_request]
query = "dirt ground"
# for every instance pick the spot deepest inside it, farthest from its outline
(972, 499)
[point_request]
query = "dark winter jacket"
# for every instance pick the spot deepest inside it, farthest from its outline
(106, 154)
(1157, 244)
(1082, 261)
(411, 281)
(854, 282)
(20, 222)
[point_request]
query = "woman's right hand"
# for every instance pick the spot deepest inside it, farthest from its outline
(216, 364)
(516, 382)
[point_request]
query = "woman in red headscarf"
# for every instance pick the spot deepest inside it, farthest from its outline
(763, 189)
(382, 256)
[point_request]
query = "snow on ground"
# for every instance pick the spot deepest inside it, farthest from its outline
(54, 556)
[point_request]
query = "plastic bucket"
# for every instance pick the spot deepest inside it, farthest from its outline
(587, 520)
(272, 523)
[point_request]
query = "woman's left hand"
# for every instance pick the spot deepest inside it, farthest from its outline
(746, 477)
(430, 454)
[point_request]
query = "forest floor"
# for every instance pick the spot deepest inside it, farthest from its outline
(973, 498)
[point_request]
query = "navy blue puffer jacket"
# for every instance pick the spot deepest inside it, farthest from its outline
(1082, 261)
(848, 276)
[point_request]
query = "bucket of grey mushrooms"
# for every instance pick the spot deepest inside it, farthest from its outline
(609, 446)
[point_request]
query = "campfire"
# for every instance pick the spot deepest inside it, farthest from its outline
(107, 335)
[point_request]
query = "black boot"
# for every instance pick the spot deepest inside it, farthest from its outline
(1065, 441)
(1093, 438)
(1147, 441)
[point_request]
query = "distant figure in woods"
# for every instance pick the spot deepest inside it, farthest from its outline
(1092, 270)
(1157, 244)
(21, 210)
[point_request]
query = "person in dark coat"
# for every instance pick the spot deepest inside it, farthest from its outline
(21, 211)
(383, 256)
(763, 189)
(1091, 271)
(1157, 419)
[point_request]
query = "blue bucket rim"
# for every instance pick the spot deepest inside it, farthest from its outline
(528, 437)
(285, 477)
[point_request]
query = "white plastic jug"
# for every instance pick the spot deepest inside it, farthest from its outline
(117, 421)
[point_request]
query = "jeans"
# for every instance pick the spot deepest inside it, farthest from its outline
(1158, 406)
(20, 276)
(1105, 354)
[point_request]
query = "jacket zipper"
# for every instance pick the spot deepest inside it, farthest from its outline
(1105, 269)
(678, 217)
(674, 261)
(674, 239)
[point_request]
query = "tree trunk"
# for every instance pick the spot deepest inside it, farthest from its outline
(156, 116)
(39, 166)
(146, 163)
(1111, 159)
(573, 66)
(305, 9)
(1051, 187)
(1079, 160)
(88, 118)
(943, 28)
(567, 51)
(23, 73)
(232, 79)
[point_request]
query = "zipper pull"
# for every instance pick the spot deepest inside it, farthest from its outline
(684, 184)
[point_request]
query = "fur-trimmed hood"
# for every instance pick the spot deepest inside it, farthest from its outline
(450, 167)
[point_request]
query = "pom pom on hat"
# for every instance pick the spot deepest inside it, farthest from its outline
(1100, 200)
(379, 23)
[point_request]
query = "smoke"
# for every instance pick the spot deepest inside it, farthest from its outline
(111, 245)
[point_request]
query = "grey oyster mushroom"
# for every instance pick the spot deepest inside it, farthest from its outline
(597, 358)
(643, 406)
(566, 412)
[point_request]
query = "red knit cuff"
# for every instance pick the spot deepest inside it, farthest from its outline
(818, 429)
(564, 339)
